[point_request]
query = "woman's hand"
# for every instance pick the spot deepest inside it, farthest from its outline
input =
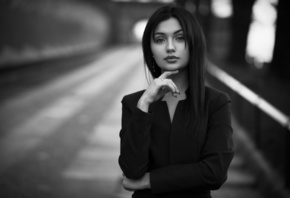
(157, 89)
(139, 184)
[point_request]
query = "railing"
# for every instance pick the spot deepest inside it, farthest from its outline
(261, 105)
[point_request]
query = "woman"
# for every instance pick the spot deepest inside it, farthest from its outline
(176, 136)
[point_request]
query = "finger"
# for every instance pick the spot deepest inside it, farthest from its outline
(167, 85)
(173, 93)
(165, 90)
(168, 73)
(170, 86)
(174, 85)
(128, 189)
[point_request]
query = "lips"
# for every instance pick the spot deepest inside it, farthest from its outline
(171, 58)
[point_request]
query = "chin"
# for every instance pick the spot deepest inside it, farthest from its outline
(172, 68)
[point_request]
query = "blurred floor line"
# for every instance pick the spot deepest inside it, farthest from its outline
(46, 121)
(27, 101)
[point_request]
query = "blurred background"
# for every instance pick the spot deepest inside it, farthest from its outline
(66, 64)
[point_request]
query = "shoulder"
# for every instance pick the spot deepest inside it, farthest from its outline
(214, 94)
(215, 99)
(133, 98)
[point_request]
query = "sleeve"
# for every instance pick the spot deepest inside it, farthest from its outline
(135, 141)
(211, 171)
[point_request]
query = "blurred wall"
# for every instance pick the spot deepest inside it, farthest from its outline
(39, 29)
(128, 14)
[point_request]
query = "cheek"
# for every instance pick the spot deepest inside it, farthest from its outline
(154, 49)
(157, 53)
(186, 55)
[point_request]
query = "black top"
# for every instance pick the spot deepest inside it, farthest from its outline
(181, 162)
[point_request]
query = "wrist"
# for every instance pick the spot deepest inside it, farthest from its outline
(147, 181)
(143, 104)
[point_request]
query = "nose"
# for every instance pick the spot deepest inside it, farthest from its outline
(170, 47)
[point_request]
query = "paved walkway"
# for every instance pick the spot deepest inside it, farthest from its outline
(65, 142)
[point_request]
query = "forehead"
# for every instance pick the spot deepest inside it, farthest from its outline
(168, 26)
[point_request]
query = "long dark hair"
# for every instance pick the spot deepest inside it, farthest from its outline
(195, 40)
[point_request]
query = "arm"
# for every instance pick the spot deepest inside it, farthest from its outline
(135, 141)
(211, 171)
(139, 184)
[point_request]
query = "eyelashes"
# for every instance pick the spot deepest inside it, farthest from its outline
(179, 38)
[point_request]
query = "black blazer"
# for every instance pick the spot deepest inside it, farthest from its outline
(181, 163)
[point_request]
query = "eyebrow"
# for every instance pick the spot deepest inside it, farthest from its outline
(176, 32)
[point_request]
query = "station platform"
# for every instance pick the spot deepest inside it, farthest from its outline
(61, 139)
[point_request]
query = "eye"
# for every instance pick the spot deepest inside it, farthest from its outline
(159, 40)
(180, 38)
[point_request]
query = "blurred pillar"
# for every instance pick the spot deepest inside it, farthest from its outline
(280, 62)
(201, 9)
(241, 20)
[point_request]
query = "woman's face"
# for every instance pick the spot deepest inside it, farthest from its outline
(168, 46)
